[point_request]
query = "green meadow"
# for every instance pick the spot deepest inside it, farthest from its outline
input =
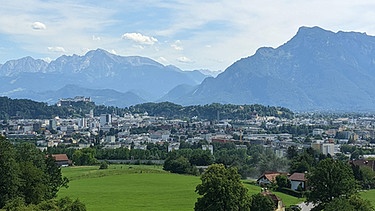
(131, 187)
(124, 187)
(369, 195)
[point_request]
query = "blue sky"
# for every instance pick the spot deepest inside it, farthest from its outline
(204, 34)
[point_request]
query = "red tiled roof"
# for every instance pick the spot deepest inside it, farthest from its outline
(297, 177)
(271, 176)
(60, 157)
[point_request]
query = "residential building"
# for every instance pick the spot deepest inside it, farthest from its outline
(297, 181)
(105, 119)
(62, 160)
(268, 177)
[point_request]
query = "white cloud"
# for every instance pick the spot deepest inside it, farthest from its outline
(56, 49)
(177, 45)
(47, 59)
(95, 38)
(184, 59)
(162, 60)
(85, 50)
(139, 47)
(38, 26)
(232, 31)
(139, 38)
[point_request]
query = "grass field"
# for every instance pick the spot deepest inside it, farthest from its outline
(369, 195)
(129, 187)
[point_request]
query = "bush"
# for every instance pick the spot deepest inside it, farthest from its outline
(180, 165)
(63, 204)
(103, 165)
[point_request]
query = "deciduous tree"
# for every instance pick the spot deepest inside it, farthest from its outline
(282, 181)
(221, 189)
(354, 203)
(260, 202)
(9, 172)
(329, 180)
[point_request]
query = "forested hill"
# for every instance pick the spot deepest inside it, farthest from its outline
(28, 109)
(211, 111)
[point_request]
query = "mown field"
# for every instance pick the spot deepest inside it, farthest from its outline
(369, 195)
(130, 187)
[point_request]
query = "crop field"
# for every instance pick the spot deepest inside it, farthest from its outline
(131, 187)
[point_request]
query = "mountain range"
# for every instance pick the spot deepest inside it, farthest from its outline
(316, 70)
(107, 78)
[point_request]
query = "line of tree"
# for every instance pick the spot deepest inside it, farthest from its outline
(250, 161)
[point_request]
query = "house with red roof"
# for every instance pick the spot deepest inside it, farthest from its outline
(268, 178)
(62, 160)
(296, 180)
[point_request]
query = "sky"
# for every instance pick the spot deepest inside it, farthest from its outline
(190, 34)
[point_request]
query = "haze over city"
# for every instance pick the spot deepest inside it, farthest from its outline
(191, 35)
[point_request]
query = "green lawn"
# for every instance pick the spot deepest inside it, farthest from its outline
(135, 188)
(130, 187)
(369, 195)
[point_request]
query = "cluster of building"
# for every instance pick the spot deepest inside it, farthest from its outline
(114, 131)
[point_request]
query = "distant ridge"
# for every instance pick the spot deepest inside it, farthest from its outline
(316, 70)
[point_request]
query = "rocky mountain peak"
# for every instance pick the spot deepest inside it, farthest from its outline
(25, 64)
(316, 69)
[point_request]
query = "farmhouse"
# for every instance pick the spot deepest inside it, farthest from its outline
(62, 160)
